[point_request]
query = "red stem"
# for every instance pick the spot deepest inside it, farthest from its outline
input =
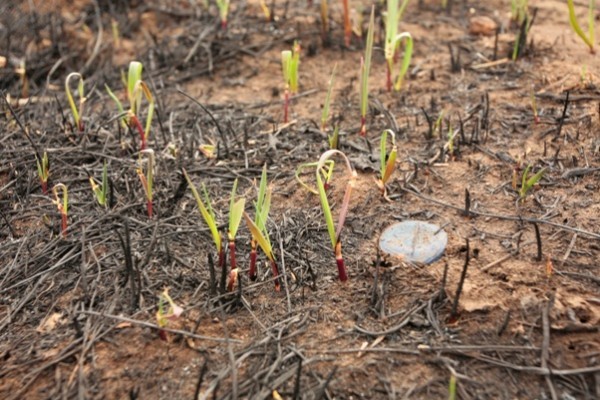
(140, 129)
(80, 126)
(232, 255)
(252, 271)
(64, 224)
(389, 78)
(149, 208)
(286, 105)
(224, 25)
(363, 126)
(44, 187)
(341, 269)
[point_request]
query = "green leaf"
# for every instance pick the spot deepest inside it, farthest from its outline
(326, 105)
(286, 59)
(366, 66)
(235, 217)
(262, 241)
(74, 109)
(207, 214)
(575, 25)
(235, 212)
(133, 77)
(406, 59)
(119, 105)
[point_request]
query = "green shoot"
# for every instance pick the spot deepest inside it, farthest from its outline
(452, 388)
(262, 238)
(450, 140)
(590, 38)
(334, 138)
(63, 206)
(135, 88)
(326, 172)
(147, 179)
(119, 105)
(536, 117)
(290, 60)
(262, 206)
(365, 68)
(134, 75)
(209, 218)
(393, 41)
(164, 313)
(43, 169)
(141, 86)
(518, 10)
(116, 36)
(223, 6)
(387, 161)
(327, 104)
(335, 231)
(236, 209)
(347, 25)
(528, 182)
(101, 190)
(76, 111)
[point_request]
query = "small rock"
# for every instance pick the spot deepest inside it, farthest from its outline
(481, 25)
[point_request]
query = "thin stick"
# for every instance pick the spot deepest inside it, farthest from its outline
(546, 344)
(463, 276)
(154, 326)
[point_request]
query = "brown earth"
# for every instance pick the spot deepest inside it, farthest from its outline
(76, 321)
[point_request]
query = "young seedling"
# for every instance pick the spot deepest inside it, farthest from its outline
(223, 6)
(393, 40)
(101, 190)
(63, 206)
(335, 231)
(334, 138)
(147, 179)
(365, 68)
(167, 310)
(326, 172)
(236, 210)
(518, 10)
(262, 238)
(209, 218)
(290, 60)
(262, 206)
(590, 38)
(327, 103)
(265, 9)
(135, 88)
(347, 24)
(527, 182)
(536, 117)
(76, 111)
(387, 161)
(43, 168)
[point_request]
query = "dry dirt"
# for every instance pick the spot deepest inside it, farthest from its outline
(77, 313)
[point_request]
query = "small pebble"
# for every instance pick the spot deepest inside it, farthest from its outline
(481, 25)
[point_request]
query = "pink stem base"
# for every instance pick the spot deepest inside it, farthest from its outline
(341, 269)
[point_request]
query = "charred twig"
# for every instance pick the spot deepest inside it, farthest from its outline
(563, 117)
(538, 240)
(461, 282)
